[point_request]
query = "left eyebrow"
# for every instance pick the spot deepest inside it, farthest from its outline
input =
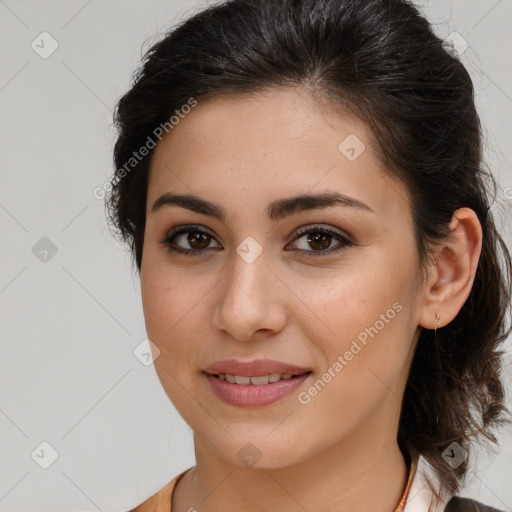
(276, 210)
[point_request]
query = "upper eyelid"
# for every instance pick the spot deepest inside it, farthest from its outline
(305, 228)
(184, 228)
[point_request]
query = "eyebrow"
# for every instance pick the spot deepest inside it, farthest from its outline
(276, 210)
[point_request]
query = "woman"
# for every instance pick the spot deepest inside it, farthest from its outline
(301, 185)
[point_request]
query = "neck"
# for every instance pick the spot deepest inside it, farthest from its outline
(362, 473)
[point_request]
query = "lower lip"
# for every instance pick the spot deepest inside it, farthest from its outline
(249, 395)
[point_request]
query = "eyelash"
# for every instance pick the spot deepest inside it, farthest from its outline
(344, 242)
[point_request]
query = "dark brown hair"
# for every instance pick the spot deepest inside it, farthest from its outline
(381, 60)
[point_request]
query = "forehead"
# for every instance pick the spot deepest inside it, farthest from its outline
(280, 142)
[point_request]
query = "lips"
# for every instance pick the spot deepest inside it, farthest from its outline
(256, 368)
(252, 396)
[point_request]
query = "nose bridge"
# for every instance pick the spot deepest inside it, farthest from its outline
(249, 300)
(246, 285)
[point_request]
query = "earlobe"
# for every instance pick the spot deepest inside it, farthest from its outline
(453, 271)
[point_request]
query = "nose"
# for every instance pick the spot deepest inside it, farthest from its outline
(251, 300)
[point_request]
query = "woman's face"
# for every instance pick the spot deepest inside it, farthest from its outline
(251, 288)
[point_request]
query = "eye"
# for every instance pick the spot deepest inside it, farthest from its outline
(197, 239)
(320, 239)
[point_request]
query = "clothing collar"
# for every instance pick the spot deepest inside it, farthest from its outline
(418, 496)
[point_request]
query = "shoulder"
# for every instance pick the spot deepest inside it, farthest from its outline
(420, 498)
(459, 504)
(160, 501)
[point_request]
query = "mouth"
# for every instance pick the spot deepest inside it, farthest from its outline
(259, 380)
(251, 392)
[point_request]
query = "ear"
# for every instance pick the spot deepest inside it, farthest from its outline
(452, 275)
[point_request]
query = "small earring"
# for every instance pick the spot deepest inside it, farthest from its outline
(437, 321)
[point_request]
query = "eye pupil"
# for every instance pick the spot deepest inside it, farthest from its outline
(319, 238)
(195, 236)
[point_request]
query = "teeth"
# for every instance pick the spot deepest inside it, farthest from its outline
(256, 381)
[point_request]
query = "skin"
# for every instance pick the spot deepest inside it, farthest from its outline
(242, 153)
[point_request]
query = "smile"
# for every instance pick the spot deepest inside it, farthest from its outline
(253, 392)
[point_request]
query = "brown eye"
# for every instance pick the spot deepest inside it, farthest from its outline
(319, 239)
(198, 240)
(188, 240)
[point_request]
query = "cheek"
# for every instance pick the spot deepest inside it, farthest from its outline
(353, 298)
(165, 304)
(166, 293)
(169, 314)
(366, 318)
(176, 316)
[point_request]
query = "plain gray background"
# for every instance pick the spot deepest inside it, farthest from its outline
(72, 322)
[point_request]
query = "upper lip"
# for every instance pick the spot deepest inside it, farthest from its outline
(256, 368)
